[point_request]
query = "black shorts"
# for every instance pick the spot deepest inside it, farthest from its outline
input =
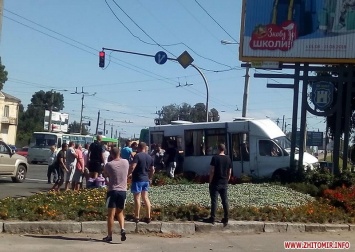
(116, 199)
(95, 166)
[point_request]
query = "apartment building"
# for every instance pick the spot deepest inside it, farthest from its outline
(9, 110)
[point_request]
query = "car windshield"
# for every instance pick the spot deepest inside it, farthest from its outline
(284, 143)
(40, 140)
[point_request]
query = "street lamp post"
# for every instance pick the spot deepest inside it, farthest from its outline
(206, 84)
(246, 81)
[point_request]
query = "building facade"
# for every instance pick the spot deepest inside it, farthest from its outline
(9, 111)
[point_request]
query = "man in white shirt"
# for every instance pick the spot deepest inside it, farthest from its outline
(51, 165)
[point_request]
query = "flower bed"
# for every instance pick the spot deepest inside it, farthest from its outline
(260, 202)
(240, 195)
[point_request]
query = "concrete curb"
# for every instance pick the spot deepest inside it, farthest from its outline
(182, 228)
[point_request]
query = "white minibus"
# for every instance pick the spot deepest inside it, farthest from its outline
(257, 148)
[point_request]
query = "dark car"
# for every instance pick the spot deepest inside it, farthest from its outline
(22, 151)
(13, 147)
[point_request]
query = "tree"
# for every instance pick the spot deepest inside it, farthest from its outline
(32, 119)
(74, 127)
(213, 116)
(186, 112)
(3, 75)
(198, 113)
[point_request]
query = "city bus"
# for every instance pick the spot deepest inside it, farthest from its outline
(109, 141)
(258, 148)
(38, 151)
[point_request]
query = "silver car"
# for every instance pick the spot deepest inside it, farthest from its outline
(11, 164)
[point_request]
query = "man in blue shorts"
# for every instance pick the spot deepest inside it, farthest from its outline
(141, 170)
(117, 171)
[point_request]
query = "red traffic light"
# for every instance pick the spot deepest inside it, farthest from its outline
(102, 59)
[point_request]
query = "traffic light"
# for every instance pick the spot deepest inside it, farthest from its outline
(102, 59)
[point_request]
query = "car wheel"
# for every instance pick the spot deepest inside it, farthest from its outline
(20, 174)
(279, 175)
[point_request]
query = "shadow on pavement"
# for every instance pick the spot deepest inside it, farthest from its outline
(59, 237)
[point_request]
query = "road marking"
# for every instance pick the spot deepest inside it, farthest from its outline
(42, 180)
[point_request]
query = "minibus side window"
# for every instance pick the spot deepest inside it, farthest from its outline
(194, 143)
(213, 137)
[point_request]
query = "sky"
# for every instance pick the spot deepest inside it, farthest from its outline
(55, 44)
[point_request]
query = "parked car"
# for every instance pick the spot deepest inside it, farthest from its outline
(22, 151)
(12, 164)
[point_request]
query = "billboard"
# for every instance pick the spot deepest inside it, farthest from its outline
(60, 121)
(314, 31)
(313, 138)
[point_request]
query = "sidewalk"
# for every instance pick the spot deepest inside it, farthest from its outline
(180, 228)
(214, 242)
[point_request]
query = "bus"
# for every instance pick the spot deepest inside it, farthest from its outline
(257, 148)
(144, 136)
(109, 141)
(39, 148)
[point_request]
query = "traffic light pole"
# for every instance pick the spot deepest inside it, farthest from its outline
(172, 59)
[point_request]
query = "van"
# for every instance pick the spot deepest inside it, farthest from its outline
(258, 148)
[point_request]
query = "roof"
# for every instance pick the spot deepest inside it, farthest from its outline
(10, 97)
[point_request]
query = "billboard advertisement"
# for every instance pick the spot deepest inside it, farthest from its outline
(314, 31)
(60, 121)
(313, 138)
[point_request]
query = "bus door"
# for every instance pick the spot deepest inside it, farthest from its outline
(239, 153)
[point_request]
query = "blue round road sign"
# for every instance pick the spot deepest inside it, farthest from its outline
(161, 57)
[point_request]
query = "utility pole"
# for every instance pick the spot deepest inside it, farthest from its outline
(111, 130)
(283, 122)
(246, 91)
(81, 114)
(104, 127)
(82, 105)
(97, 123)
(50, 112)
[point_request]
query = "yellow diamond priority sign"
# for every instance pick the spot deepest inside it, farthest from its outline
(185, 59)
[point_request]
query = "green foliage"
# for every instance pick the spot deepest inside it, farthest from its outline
(346, 178)
(160, 178)
(32, 119)
(3, 75)
(186, 112)
(305, 188)
(74, 127)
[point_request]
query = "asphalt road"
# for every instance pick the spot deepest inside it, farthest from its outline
(219, 242)
(36, 181)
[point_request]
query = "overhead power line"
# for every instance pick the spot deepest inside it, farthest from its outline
(215, 21)
(163, 45)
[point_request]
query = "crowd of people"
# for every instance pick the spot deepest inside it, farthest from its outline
(72, 163)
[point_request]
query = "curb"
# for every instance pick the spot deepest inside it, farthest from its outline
(181, 228)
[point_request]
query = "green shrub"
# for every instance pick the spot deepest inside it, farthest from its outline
(345, 178)
(305, 188)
